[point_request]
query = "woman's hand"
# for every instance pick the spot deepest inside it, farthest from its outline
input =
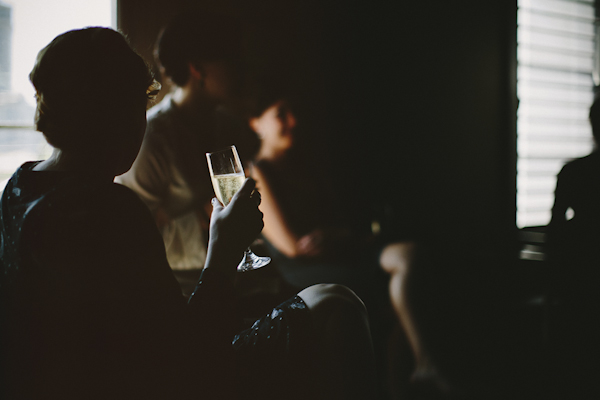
(234, 228)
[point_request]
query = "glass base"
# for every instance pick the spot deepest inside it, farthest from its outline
(252, 261)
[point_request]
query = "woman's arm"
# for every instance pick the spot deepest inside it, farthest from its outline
(277, 229)
(232, 230)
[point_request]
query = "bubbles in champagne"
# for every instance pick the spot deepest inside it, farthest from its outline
(227, 185)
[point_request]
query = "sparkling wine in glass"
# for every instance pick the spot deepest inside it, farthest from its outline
(227, 177)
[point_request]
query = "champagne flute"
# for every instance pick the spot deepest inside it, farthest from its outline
(227, 177)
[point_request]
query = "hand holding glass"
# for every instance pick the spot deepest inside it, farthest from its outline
(227, 177)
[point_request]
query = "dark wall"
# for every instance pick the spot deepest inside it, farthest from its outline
(426, 93)
(417, 99)
(449, 117)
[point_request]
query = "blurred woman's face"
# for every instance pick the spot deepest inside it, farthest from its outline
(275, 122)
(275, 127)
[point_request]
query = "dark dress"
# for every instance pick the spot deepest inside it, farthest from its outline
(573, 235)
(573, 247)
(89, 307)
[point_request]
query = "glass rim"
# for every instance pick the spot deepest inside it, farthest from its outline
(235, 154)
(222, 150)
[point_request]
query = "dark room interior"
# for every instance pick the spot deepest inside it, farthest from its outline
(413, 107)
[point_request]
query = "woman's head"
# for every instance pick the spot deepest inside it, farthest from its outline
(275, 126)
(203, 40)
(92, 90)
(273, 110)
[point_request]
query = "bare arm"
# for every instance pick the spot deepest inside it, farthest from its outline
(277, 229)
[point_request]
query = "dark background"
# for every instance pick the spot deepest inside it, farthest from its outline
(418, 100)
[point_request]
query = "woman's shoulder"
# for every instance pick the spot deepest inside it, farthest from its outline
(86, 216)
(282, 167)
(581, 169)
(590, 161)
(75, 201)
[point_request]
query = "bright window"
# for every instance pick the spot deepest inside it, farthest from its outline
(26, 26)
(555, 56)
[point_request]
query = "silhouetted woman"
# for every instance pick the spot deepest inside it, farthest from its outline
(574, 259)
(89, 308)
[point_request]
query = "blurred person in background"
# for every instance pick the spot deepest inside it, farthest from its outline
(201, 53)
(572, 242)
(303, 217)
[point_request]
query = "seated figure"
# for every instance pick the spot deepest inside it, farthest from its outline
(574, 259)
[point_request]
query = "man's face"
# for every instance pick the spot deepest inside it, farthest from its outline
(222, 80)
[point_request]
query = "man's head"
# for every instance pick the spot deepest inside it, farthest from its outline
(204, 43)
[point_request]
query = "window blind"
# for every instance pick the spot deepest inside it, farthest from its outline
(555, 61)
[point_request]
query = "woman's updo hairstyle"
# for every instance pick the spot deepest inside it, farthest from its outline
(89, 82)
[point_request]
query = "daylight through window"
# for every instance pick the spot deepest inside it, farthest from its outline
(26, 26)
